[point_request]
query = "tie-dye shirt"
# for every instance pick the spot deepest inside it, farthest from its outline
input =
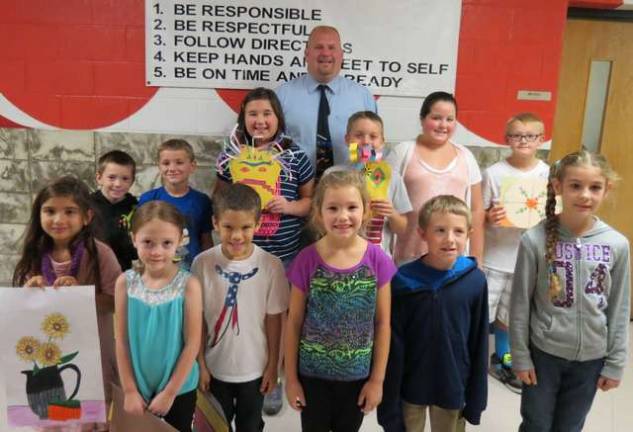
(337, 337)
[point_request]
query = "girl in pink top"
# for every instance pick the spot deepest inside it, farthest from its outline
(433, 165)
(60, 249)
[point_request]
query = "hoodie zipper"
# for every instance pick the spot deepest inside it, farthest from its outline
(578, 293)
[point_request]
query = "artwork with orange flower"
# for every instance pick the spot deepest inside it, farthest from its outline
(523, 200)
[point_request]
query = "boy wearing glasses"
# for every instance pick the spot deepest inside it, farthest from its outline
(524, 135)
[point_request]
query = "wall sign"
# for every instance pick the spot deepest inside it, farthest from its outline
(397, 48)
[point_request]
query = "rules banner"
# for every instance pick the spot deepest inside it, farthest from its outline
(395, 47)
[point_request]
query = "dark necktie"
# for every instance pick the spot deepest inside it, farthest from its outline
(324, 154)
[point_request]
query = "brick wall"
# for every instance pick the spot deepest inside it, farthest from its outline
(29, 159)
(52, 73)
(49, 71)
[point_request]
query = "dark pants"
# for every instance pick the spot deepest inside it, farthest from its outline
(242, 401)
(331, 405)
(563, 396)
(180, 416)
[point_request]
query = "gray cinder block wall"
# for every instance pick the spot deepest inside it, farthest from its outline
(31, 158)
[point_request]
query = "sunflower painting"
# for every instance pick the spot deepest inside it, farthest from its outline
(44, 387)
(55, 326)
(49, 354)
(27, 348)
(53, 371)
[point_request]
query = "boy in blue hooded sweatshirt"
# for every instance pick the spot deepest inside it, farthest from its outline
(439, 321)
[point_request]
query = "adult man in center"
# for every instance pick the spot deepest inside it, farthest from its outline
(316, 108)
(317, 105)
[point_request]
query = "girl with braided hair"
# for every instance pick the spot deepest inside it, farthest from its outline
(569, 308)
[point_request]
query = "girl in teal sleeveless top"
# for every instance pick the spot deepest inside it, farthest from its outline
(158, 321)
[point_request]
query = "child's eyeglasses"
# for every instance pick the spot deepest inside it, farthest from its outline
(519, 138)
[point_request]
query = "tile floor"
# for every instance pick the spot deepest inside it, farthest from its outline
(611, 411)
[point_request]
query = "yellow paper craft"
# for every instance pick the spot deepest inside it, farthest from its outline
(523, 200)
(209, 416)
(378, 177)
(353, 152)
(259, 170)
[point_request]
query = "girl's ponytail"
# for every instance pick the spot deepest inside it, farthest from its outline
(551, 234)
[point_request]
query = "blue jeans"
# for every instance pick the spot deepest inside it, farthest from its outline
(242, 402)
(563, 396)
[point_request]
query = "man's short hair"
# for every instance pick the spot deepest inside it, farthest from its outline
(321, 28)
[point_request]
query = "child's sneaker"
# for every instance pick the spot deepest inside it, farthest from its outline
(274, 400)
(504, 374)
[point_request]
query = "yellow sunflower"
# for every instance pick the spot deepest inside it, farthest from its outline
(49, 354)
(55, 326)
(27, 348)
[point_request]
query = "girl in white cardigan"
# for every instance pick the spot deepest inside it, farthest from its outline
(433, 165)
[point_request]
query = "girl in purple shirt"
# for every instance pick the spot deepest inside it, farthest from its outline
(337, 337)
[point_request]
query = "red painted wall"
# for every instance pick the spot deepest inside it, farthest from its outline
(596, 4)
(506, 46)
(79, 64)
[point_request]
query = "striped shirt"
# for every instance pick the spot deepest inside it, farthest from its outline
(284, 242)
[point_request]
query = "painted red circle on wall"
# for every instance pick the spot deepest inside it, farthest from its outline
(233, 98)
(74, 64)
